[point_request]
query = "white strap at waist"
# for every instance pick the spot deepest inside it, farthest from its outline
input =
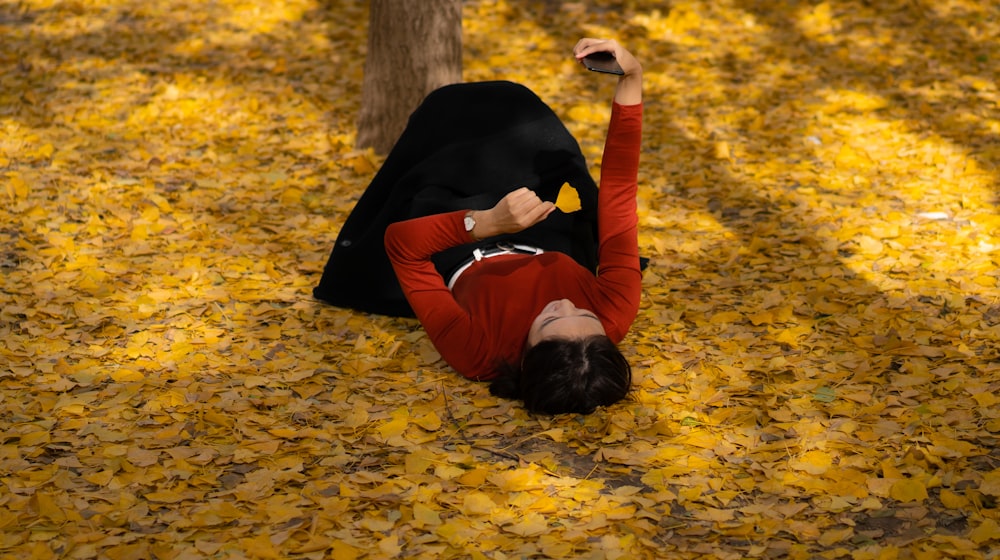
(501, 248)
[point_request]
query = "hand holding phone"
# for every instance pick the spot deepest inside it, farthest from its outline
(606, 55)
(603, 62)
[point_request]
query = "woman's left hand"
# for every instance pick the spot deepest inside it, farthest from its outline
(517, 211)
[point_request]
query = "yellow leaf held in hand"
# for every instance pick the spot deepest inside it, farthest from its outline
(568, 199)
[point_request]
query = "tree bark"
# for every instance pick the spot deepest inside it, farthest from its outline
(414, 47)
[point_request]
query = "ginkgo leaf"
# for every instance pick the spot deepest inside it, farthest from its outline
(166, 496)
(991, 483)
(568, 200)
(517, 479)
(396, 425)
(987, 531)
(812, 462)
(953, 500)
(426, 516)
(529, 525)
(908, 490)
(477, 503)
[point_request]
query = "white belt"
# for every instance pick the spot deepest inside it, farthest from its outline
(495, 250)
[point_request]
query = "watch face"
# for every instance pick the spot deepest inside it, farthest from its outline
(469, 223)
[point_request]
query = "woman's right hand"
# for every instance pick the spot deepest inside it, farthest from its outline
(588, 46)
(516, 212)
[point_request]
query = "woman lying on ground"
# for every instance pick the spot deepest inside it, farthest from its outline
(522, 304)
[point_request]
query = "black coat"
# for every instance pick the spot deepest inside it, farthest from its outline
(465, 147)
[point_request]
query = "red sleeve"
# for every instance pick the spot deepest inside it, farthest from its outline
(619, 277)
(410, 245)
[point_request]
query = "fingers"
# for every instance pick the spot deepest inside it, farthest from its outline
(521, 194)
(538, 213)
(588, 45)
(525, 209)
(527, 206)
(523, 198)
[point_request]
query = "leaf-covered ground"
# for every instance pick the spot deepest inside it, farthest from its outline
(817, 356)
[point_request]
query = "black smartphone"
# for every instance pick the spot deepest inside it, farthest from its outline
(603, 62)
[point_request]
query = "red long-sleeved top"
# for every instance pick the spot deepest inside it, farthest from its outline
(486, 317)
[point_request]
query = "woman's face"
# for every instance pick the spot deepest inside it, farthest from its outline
(562, 319)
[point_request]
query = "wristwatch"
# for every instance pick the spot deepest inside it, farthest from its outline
(470, 223)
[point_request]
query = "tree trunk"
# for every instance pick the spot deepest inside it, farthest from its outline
(414, 47)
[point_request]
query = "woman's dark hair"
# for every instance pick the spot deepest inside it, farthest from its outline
(566, 375)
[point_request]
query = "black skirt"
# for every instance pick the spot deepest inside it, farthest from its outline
(465, 147)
